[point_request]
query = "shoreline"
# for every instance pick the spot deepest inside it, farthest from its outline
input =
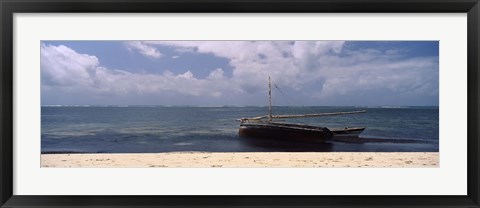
(243, 160)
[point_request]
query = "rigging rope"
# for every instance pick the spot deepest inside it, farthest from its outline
(284, 95)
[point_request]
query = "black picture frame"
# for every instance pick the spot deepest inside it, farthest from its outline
(9, 7)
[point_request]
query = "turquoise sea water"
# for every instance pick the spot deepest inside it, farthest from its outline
(214, 129)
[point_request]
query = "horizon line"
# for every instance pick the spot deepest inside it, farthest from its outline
(219, 106)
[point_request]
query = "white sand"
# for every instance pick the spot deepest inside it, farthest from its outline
(244, 159)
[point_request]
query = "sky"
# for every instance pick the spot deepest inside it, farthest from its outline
(218, 73)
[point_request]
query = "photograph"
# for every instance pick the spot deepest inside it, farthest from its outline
(270, 103)
(239, 104)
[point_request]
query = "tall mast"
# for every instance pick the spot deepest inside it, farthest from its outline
(270, 100)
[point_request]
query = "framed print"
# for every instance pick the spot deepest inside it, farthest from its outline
(248, 104)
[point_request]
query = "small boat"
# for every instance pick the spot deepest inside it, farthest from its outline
(264, 127)
(350, 132)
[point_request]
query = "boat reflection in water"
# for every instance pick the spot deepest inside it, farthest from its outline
(279, 145)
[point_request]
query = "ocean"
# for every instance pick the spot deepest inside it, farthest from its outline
(154, 129)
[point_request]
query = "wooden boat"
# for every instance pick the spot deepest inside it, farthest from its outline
(285, 132)
(350, 132)
(264, 127)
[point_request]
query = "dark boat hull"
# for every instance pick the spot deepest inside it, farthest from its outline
(285, 132)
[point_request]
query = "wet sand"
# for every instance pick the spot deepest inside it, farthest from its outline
(245, 160)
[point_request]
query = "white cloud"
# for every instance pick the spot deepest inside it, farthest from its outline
(144, 49)
(216, 74)
(362, 75)
(287, 62)
(319, 70)
(66, 70)
(67, 67)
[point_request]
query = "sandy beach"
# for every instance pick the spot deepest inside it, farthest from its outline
(245, 160)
